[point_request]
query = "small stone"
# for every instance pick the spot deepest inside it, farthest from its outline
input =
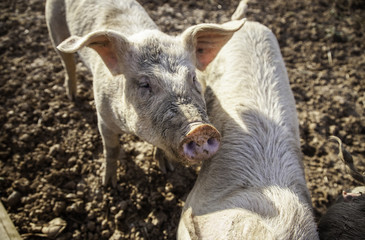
(123, 205)
(54, 227)
(119, 216)
(14, 198)
(59, 207)
(91, 226)
(105, 233)
(104, 224)
(113, 210)
(24, 137)
(54, 149)
(70, 185)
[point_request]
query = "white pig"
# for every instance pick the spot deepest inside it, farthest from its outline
(254, 186)
(144, 81)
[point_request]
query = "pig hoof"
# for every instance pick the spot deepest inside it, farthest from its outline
(71, 96)
(110, 179)
(164, 164)
(70, 87)
(170, 165)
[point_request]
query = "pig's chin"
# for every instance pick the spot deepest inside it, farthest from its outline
(186, 160)
(190, 162)
(180, 158)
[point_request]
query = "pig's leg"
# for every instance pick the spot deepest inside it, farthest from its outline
(68, 62)
(111, 153)
(164, 164)
(58, 31)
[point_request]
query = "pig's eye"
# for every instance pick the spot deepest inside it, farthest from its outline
(197, 84)
(144, 85)
(144, 88)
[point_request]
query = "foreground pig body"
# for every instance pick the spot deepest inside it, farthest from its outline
(254, 187)
(144, 80)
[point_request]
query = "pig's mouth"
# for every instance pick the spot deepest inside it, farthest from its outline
(200, 143)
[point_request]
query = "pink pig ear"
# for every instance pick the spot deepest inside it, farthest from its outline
(206, 40)
(108, 44)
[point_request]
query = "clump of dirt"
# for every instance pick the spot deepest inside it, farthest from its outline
(51, 151)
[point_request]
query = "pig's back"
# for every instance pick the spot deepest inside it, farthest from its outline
(256, 178)
(249, 75)
(250, 102)
(125, 16)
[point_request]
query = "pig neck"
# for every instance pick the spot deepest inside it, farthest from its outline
(251, 181)
(241, 170)
(250, 102)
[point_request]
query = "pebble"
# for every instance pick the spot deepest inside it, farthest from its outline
(54, 149)
(119, 216)
(105, 233)
(14, 198)
(59, 207)
(91, 226)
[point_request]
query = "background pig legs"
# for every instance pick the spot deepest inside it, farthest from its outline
(111, 153)
(58, 31)
(163, 162)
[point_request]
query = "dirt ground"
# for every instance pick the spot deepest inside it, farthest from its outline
(51, 151)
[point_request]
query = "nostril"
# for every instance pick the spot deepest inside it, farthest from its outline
(212, 141)
(189, 149)
(213, 144)
(191, 145)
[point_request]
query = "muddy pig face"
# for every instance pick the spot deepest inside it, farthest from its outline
(168, 106)
(159, 98)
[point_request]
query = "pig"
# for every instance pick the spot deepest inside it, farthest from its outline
(254, 187)
(144, 81)
(345, 219)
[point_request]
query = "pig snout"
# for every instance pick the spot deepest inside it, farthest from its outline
(201, 142)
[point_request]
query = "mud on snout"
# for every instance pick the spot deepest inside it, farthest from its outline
(201, 142)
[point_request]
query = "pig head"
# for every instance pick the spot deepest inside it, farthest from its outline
(145, 84)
